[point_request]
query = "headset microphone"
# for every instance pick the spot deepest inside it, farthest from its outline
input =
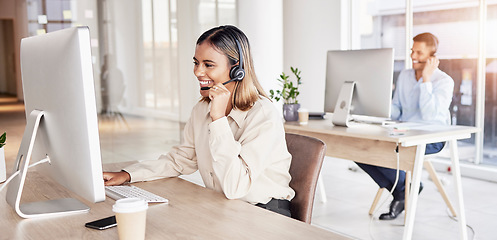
(224, 83)
(237, 73)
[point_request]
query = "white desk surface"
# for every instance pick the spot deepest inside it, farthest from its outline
(408, 138)
(193, 212)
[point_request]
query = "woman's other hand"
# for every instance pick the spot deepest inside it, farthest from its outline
(116, 178)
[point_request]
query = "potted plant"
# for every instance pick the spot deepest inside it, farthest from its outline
(288, 94)
(3, 173)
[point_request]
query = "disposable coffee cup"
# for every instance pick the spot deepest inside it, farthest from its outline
(303, 116)
(131, 216)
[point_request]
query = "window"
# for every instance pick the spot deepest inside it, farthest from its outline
(50, 15)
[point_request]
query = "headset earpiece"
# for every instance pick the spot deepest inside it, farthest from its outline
(237, 73)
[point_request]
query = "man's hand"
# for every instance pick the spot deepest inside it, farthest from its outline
(430, 66)
(116, 178)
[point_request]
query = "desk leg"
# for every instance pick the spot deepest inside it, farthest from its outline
(322, 192)
(456, 171)
(413, 198)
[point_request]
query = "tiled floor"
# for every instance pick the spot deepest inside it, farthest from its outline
(349, 191)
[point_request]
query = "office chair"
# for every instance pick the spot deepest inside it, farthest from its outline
(434, 177)
(307, 157)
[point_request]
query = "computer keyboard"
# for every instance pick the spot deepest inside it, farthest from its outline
(125, 191)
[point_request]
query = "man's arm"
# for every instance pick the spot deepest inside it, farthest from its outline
(435, 98)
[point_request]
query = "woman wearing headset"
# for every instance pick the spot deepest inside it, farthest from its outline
(234, 137)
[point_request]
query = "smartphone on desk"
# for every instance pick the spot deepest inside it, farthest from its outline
(103, 223)
(317, 115)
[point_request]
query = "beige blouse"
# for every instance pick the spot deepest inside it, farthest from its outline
(243, 155)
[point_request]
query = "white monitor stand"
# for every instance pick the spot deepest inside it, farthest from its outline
(341, 114)
(43, 208)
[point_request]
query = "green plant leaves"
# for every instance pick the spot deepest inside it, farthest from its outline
(289, 91)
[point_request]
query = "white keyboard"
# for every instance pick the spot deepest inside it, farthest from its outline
(124, 191)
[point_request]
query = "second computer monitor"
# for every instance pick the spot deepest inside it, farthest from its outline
(372, 72)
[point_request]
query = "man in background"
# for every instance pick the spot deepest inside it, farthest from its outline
(422, 94)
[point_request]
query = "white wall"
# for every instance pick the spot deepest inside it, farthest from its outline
(292, 33)
(187, 36)
(262, 22)
(311, 28)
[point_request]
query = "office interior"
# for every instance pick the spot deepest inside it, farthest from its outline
(142, 58)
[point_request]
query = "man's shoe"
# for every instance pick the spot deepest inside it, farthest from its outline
(396, 207)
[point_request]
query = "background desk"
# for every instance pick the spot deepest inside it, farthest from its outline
(373, 144)
(193, 212)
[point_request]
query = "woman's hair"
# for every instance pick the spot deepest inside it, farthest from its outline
(222, 38)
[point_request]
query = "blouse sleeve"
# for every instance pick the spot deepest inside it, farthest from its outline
(181, 159)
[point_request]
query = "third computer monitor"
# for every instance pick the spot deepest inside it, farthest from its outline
(372, 72)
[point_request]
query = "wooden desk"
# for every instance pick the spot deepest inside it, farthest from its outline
(373, 144)
(193, 212)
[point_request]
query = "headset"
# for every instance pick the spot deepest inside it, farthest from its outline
(237, 73)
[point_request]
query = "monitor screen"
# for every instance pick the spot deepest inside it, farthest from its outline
(58, 86)
(372, 72)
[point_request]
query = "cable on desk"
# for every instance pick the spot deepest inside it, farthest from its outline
(47, 159)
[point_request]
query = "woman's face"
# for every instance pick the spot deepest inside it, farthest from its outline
(210, 67)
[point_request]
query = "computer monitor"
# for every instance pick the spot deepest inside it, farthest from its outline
(362, 80)
(62, 124)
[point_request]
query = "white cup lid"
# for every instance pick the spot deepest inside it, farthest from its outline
(302, 110)
(129, 205)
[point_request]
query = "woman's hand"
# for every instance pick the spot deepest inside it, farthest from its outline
(220, 97)
(116, 178)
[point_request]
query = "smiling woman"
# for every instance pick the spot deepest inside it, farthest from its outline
(234, 137)
(227, 46)
(219, 62)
